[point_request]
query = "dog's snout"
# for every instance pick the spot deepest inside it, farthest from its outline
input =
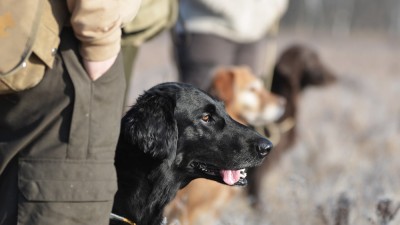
(264, 147)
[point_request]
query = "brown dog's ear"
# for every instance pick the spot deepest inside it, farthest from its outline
(222, 85)
(315, 72)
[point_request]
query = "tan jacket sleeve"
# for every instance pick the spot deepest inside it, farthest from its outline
(97, 24)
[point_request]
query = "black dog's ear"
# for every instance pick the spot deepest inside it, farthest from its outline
(150, 124)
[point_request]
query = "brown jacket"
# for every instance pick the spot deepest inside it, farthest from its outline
(97, 24)
(29, 42)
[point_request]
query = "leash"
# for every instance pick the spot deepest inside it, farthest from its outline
(120, 218)
(277, 129)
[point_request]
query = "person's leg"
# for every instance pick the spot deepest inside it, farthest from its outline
(199, 54)
(253, 55)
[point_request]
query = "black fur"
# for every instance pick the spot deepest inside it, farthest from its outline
(164, 137)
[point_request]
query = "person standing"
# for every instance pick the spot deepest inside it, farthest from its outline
(224, 33)
(61, 101)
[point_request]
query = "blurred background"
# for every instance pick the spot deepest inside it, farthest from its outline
(345, 165)
(344, 17)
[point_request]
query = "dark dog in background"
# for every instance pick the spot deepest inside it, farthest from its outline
(298, 67)
(173, 134)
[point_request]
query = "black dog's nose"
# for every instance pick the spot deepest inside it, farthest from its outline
(263, 147)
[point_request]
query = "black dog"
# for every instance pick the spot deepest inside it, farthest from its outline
(173, 134)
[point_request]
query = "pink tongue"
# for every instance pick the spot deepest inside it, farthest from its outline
(230, 177)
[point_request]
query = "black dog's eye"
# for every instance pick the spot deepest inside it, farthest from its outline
(205, 117)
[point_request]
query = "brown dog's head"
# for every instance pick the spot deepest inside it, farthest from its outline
(298, 67)
(245, 97)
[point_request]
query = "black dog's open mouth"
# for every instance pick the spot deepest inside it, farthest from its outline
(229, 177)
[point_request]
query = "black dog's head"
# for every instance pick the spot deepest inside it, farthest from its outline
(184, 127)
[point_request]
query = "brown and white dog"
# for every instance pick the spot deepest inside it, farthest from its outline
(248, 102)
(245, 97)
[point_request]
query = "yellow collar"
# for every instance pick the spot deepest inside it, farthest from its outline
(125, 220)
(120, 218)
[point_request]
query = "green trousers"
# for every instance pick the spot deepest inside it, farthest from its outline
(57, 144)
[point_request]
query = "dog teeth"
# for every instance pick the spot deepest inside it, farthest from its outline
(243, 173)
(203, 168)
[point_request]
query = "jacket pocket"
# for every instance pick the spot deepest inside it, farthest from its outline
(30, 47)
(65, 192)
(66, 180)
(26, 77)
